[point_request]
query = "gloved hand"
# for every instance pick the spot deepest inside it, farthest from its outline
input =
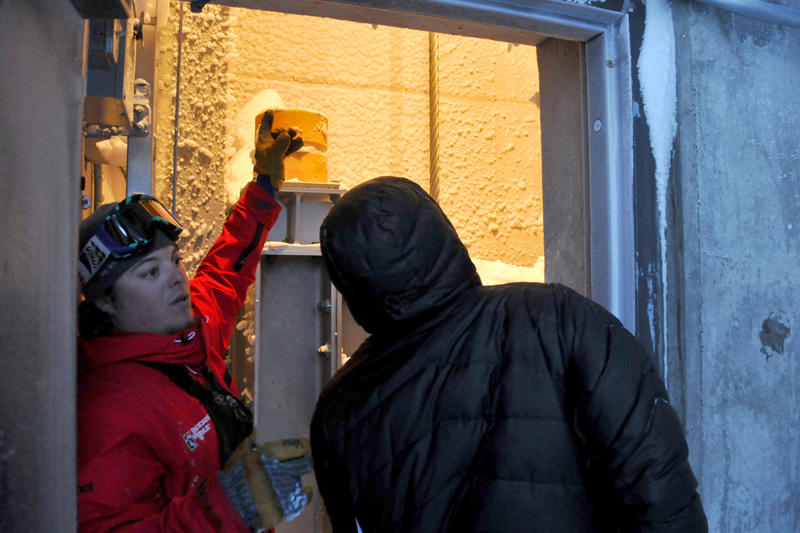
(272, 147)
(263, 482)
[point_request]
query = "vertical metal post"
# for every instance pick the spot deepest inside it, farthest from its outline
(433, 96)
(141, 150)
(177, 115)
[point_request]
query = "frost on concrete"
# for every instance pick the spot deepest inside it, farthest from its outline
(656, 70)
(200, 129)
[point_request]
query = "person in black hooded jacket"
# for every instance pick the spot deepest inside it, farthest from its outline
(512, 408)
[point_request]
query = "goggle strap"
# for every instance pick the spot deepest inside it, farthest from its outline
(117, 225)
(173, 229)
(91, 258)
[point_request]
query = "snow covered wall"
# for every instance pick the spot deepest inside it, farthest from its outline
(372, 84)
(202, 157)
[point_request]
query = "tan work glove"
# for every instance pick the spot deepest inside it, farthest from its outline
(263, 482)
(271, 149)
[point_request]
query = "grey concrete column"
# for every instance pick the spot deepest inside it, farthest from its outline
(41, 90)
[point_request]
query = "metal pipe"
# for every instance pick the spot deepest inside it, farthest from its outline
(773, 13)
(177, 115)
(433, 107)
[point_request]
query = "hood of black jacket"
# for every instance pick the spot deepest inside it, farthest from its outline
(393, 254)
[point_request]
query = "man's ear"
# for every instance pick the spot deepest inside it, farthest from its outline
(105, 303)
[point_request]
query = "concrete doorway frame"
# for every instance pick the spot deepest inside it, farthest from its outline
(585, 49)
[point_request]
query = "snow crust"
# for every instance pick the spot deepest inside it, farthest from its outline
(657, 78)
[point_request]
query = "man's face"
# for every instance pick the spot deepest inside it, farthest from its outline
(152, 296)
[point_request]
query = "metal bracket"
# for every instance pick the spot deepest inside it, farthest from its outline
(141, 109)
(324, 351)
(140, 125)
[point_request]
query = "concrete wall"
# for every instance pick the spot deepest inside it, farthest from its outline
(41, 89)
(735, 247)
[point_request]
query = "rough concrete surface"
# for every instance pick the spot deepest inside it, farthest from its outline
(739, 166)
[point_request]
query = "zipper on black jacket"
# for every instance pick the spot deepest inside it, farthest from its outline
(250, 247)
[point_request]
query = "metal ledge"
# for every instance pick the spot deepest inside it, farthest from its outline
(529, 23)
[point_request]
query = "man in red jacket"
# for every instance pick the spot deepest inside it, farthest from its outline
(163, 439)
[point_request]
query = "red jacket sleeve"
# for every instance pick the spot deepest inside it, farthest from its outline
(220, 286)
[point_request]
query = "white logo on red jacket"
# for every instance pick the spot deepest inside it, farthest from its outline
(197, 433)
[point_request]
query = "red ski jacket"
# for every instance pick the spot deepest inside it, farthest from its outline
(148, 452)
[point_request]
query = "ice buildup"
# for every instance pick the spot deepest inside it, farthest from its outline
(266, 99)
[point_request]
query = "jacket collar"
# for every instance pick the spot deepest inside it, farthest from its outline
(186, 347)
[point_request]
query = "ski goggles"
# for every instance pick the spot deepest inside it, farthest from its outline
(126, 232)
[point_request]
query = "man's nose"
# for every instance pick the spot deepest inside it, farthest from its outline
(178, 274)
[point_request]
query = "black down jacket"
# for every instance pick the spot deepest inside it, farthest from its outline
(514, 408)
